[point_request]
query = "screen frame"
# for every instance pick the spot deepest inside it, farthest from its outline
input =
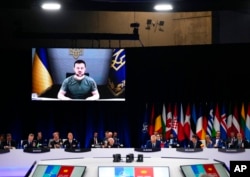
(46, 82)
(221, 165)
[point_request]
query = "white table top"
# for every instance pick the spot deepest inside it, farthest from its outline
(16, 162)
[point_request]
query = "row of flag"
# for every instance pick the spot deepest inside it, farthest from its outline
(42, 79)
(201, 119)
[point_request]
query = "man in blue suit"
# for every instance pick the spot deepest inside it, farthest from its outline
(218, 142)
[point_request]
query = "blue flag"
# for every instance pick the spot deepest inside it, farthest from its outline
(117, 73)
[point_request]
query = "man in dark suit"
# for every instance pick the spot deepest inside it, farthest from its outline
(9, 143)
(153, 142)
(172, 142)
(95, 141)
(195, 143)
(231, 140)
(30, 142)
(2, 140)
(240, 143)
(70, 143)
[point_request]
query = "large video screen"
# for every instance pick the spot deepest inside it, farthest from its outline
(59, 74)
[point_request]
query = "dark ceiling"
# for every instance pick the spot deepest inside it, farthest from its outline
(136, 5)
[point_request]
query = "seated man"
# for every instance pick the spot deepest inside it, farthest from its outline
(95, 141)
(41, 142)
(240, 143)
(208, 142)
(172, 142)
(9, 143)
(56, 142)
(30, 142)
(2, 140)
(218, 142)
(195, 143)
(70, 143)
(153, 142)
(111, 143)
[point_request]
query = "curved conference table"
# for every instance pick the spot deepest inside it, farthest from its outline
(16, 162)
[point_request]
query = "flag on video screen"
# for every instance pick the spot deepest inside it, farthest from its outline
(51, 169)
(41, 78)
(211, 170)
(117, 79)
(65, 171)
(144, 172)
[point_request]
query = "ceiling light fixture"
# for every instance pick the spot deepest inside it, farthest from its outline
(163, 7)
(51, 5)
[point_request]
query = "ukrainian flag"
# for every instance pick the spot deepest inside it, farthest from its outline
(117, 73)
(41, 78)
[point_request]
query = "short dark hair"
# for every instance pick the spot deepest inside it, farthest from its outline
(80, 61)
(194, 136)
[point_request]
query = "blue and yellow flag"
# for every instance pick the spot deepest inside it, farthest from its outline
(117, 73)
(41, 78)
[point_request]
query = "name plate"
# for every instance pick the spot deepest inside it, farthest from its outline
(4, 151)
(77, 150)
(96, 146)
(36, 150)
(189, 149)
(231, 150)
(148, 149)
